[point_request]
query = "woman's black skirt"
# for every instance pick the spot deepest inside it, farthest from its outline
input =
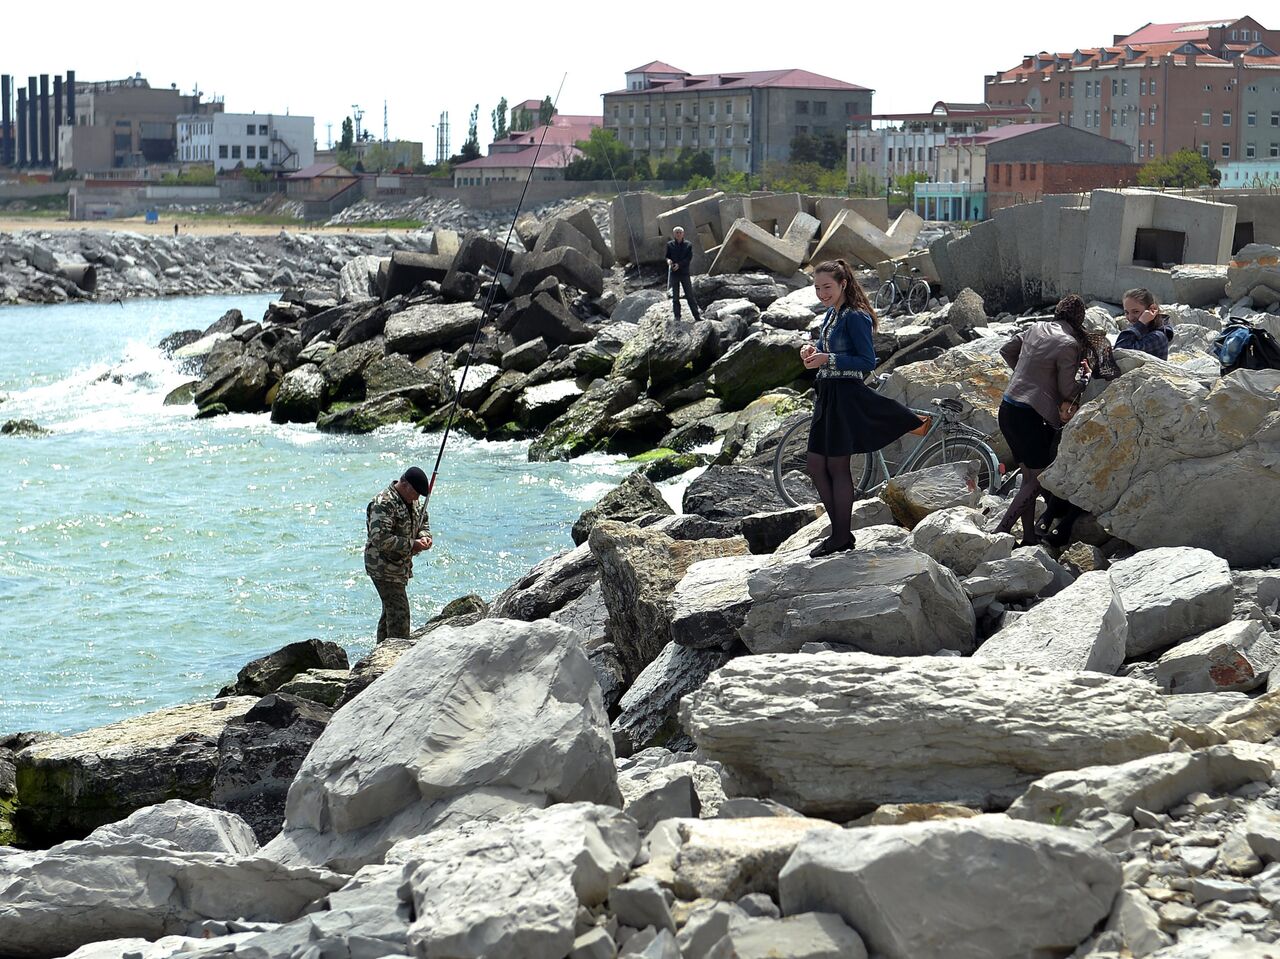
(1033, 442)
(850, 417)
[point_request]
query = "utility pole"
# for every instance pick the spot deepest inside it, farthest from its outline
(357, 115)
(385, 139)
(329, 133)
(442, 138)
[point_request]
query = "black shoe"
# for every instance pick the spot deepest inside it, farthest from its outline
(828, 546)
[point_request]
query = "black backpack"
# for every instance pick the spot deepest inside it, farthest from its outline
(1260, 351)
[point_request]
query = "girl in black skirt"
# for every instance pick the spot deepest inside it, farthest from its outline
(849, 417)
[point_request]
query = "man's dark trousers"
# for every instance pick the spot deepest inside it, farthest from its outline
(680, 281)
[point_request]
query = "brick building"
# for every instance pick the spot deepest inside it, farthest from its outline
(1211, 85)
(744, 120)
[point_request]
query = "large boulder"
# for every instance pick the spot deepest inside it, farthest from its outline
(1236, 657)
(729, 494)
(551, 585)
(512, 889)
(762, 361)
(956, 538)
(1171, 593)
(1161, 459)
(1255, 271)
(647, 711)
(892, 601)
(664, 350)
(639, 568)
(1083, 627)
(258, 756)
(185, 826)
(835, 734)
(240, 386)
(1056, 886)
(358, 279)
(588, 423)
(710, 603)
(913, 496)
(108, 887)
(631, 499)
(268, 673)
(474, 722)
(73, 784)
(431, 326)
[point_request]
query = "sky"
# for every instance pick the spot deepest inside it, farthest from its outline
(318, 59)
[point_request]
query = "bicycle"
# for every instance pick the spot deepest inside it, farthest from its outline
(909, 289)
(957, 443)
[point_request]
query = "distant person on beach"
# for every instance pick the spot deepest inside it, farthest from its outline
(398, 530)
(848, 416)
(679, 256)
(1149, 330)
(175, 229)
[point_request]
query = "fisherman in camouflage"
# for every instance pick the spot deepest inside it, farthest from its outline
(397, 531)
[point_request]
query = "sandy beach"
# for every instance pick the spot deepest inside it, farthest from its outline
(201, 227)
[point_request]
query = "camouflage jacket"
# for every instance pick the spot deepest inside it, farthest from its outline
(392, 526)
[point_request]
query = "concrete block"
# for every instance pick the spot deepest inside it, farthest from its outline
(853, 238)
(1051, 251)
(773, 211)
(1073, 228)
(920, 260)
(562, 233)
(905, 228)
(691, 215)
(580, 218)
(971, 258)
(1198, 284)
(939, 253)
(801, 234)
(874, 210)
(731, 208)
(633, 226)
(749, 243)
(445, 242)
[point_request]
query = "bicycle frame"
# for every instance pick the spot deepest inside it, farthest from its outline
(876, 464)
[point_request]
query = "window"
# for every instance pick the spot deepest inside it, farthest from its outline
(1142, 86)
(235, 151)
(1251, 118)
(1115, 86)
(679, 134)
(262, 129)
(1062, 88)
(1071, 119)
(1142, 119)
(802, 106)
(1141, 154)
(1114, 118)
(1022, 171)
(1071, 88)
(1124, 118)
(819, 108)
(1124, 87)
(1204, 150)
(1226, 151)
(1275, 118)
(802, 131)
(1032, 172)
(711, 108)
(1250, 151)
(1226, 118)
(615, 111)
(1151, 148)
(646, 111)
(1151, 116)
(864, 155)
(1275, 149)
(250, 153)
(1206, 119)
(888, 154)
(679, 110)
(1061, 117)
(728, 108)
(1151, 86)
(711, 134)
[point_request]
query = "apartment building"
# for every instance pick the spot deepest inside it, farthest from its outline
(743, 120)
(895, 144)
(1211, 85)
(231, 140)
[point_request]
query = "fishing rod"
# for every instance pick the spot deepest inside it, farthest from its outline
(488, 305)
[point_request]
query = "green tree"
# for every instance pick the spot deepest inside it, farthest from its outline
(1182, 170)
(603, 158)
(546, 110)
(906, 184)
(866, 183)
(499, 117)
(824, 149)
(471, 148)
(348, 136)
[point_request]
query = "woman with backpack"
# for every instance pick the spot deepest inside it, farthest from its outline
(1049, 360)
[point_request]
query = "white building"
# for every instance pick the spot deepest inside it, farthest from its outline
(229, 140)
(1258, 174)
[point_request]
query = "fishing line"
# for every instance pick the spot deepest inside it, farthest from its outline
(503, 260)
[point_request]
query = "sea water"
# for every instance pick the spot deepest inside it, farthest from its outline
(145, 556)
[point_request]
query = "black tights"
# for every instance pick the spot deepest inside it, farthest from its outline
(831, 476)
(1023, 506)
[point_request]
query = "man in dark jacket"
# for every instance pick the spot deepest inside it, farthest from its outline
(679, 256)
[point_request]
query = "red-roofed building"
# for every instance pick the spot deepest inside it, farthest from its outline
(1212, 85)
(743, 120)
(545, 151)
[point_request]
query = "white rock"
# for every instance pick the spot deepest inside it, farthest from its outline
(890, 600)
(711, 601)
(837, 734)
(461, 725)
(913, 496)
(1235, 657)
(956, 539)
(810, 935)
(1027, 573)
(1083, 627)
(1170, 593)
(866, 513)
(1055, 886)
(1154, 783)
(512, 888)
(188, 827)
(1137, 924)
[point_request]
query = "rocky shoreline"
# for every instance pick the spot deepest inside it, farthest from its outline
(685, 737)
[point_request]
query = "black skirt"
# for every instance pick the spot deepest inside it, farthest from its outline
(849, 417)
(1033, 442)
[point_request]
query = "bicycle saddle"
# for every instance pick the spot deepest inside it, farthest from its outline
(949, 404)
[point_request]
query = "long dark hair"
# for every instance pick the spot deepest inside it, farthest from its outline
(1070, 313)
(855, 297)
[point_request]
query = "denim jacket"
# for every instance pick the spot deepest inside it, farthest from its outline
(846, 335)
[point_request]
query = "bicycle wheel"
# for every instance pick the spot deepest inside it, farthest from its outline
(790, 476)
(918, 297)
(885, 296)
(958, 449)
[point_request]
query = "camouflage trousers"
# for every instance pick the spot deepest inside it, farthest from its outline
(394, 621)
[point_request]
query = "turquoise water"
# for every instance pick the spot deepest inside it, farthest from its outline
(146, 556)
